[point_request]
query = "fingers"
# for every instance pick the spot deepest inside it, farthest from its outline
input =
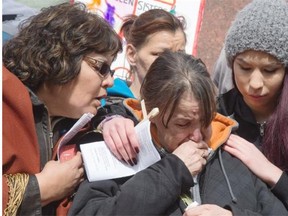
(205, 153)
(81, 172)
(118, 144)
(237, 144)
(193, 157)
(121, 138)
(76, 160)
(201, 145)
(111, 145)
(133, 140)
(230, 150)
(128, 145)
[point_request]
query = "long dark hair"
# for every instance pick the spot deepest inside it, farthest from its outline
(275, 142)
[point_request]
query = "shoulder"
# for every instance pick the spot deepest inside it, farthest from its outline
(18, 119)
(11, 83)
(227, 102)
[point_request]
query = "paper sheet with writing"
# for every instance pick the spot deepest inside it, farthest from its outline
(101, 164)
(85, 118)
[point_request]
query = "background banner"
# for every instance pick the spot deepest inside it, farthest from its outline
(114, 11)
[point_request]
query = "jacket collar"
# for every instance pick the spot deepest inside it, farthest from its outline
(222, 126)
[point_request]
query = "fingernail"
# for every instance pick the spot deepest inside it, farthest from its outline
(130, 162)
(134, 161)
(136, 150)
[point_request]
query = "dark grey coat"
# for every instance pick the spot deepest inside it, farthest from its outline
(232, 104)
(156, 190)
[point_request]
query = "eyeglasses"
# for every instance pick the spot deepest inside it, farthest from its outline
(102, 68)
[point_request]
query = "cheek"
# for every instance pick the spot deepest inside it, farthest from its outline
(93, 86)
(274, 88)
(207, 133)
(276, 82)
(172, 140)
(143, 67)
(241, 81)
(84, 92)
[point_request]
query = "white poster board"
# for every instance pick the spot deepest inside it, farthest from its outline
(114, 12)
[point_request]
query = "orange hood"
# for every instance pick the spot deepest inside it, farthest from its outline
(222, 126)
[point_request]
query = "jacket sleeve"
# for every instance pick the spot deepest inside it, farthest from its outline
(31, 203)
(20, 157)
(24, 194)
(149, 192)
(268, 203)
(281, 189)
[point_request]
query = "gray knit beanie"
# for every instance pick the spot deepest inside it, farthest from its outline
(261, 26)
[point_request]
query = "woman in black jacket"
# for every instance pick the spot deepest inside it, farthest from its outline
(180, 86)
(256, 49)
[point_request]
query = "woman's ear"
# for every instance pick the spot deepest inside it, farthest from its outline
(131, 54)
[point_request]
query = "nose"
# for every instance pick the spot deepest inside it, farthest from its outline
(108, 81)
(196, 135)
(256, 79)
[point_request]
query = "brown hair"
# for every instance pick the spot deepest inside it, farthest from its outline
(170, 76)
(50, 46)
(137, 29)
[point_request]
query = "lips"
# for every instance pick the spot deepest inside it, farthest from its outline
(256, 96)
(101, 100)
(101, 97)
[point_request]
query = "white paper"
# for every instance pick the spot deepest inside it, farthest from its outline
(85, 118)
(101, 164)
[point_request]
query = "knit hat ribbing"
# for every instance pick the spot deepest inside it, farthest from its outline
(262, 26)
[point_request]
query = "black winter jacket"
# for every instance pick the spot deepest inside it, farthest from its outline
(157, 189)
(232, 104)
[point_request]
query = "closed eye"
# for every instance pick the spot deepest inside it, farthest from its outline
(270, 70)
(245, 68)
(183, 125)
(157, 54)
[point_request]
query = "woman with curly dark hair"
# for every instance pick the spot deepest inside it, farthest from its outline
(54, 70)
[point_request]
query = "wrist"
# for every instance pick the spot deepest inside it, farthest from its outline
(106, 119)
(45, 196)
(274, 175)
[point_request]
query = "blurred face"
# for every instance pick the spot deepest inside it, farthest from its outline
(184, 125)
(143, 57)
(259, 77)
(82, 94)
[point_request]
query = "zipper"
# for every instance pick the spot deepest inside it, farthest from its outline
(51, 139)
(196, 189)
(49, 136)
(262, 128)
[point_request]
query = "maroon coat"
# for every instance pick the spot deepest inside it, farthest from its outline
(20, 147)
